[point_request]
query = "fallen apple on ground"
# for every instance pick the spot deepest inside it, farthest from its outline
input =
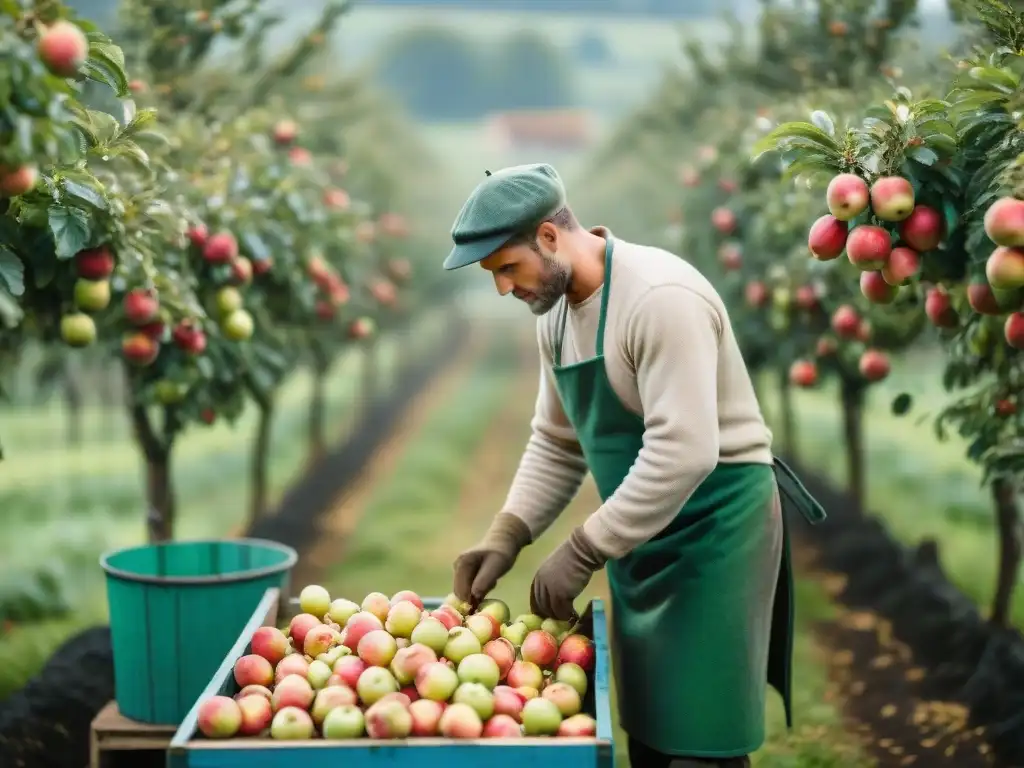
(389, 668)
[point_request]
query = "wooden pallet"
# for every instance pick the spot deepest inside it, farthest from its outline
(117, 741)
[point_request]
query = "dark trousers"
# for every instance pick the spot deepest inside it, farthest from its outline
(642, 756)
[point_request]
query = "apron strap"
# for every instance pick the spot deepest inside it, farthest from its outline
(556, 343)
(608, 249)
(793, 491)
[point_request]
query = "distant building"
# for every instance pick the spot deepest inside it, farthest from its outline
(549, 131)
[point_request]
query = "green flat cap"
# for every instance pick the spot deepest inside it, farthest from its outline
(503, 205)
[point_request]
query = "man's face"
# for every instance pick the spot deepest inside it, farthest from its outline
(534, 276)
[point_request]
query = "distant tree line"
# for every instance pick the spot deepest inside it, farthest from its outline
(676, 9)
(438, 74)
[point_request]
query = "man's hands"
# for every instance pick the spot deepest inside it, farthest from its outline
(564, 576)
(478, 569)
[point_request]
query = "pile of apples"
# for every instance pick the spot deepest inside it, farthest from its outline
(390, 669)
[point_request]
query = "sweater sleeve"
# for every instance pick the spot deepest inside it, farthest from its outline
(672, 338)
(552, 467)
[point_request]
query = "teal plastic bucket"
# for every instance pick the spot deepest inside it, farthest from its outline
(175, 611)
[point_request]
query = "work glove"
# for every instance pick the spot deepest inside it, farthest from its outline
(563, 577)
(478, 569)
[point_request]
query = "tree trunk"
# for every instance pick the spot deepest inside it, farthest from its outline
(317, 408)
(1004, 497)
(258, 477)
(787, 417)
(160, 502)
(852, 398)
(73, 403)
(371, 372)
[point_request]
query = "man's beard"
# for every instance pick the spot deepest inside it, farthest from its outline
(554, 285)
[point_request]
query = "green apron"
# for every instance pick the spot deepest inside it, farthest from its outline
(695, 632)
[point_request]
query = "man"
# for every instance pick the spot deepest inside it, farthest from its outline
(642, 384)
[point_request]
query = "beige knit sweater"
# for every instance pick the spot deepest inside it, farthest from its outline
(672, 358)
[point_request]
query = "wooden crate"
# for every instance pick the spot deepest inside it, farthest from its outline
(117, 741)
(189, 749)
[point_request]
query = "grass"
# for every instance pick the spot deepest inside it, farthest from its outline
(64, 519)
(451, 478)
(922, 488)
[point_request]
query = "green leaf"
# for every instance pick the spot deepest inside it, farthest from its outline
(1000, 79)
(106, 65)
(786, 132)
(70, 229)
(83, 193)
(902, 404)
(12, 272)
(144, 119)
(923, 155)
(131, 151)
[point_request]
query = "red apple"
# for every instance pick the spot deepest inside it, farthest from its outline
(902, 265)
(847, 196)
(892, 198)
(63, 48)
(868, 247)
(139, 349)
(1013, 330)
(939, 308)
(983, 299)
(1005, 268)
(922, 230)
(876, 289)
(1004, 222)
(94, 263)
(845, 322)
(141, 306)
(221, 248)
(873, 365)
(803, 373)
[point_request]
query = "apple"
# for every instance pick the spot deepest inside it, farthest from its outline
(300, 156)
(63, 48)
(431, 633)
(238, 326)
(495, 608)
(1005, 268)
(241, 271)
(219, 717)
(939, 308)
(503, 653)
(299, 627)
(254, 690)
(846, 322)
(847, 196)
(460, 721)
(482, 627)
(902, 265)
(348, 669)
(578, 726)
(1005, 407)
(319, 673)
(285, 132)
(319, 640)
(508, 701)
(479, 668)
(292, 724)
(573, 674)
(528, 692)
(407, 595)
(1004, 222)
(461, 643)
(803, 373)
(516, 632)
(436, 681)
(293, 691)
(540, 647)
(565, 697)
(262, 266)
(827, 238)
(923, 229)
(408, 662)
(873, 365)
(388, 719)
(755, 293)
(313, 599)
(377, 648)
(229, 299)
(531, 620)
(17, 180)
(293, 664)
(577, 649)
(77, 329)
(253, 669)
(140, 350)
(378, 604)
(525, 673)
(344, 722)
(402, 618)
(337, 199)
(461, 606)
(806, 297)
(331, 698)
(541, 717)
(341, 610)
(447, 616)
(94, 263)
(256, 714)
(374, 684)
(198, 234)
(140, 306)
(502, 727)
(426, 717)
(358, 626)
(410, 693)
(1013, 330)
(221, 248)
(331, 657)
(826, 346)
(555, 627)
(731, 257)
(876, 289)
(723, 220)
(868, 247)
(983, 299)
(892, 198)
